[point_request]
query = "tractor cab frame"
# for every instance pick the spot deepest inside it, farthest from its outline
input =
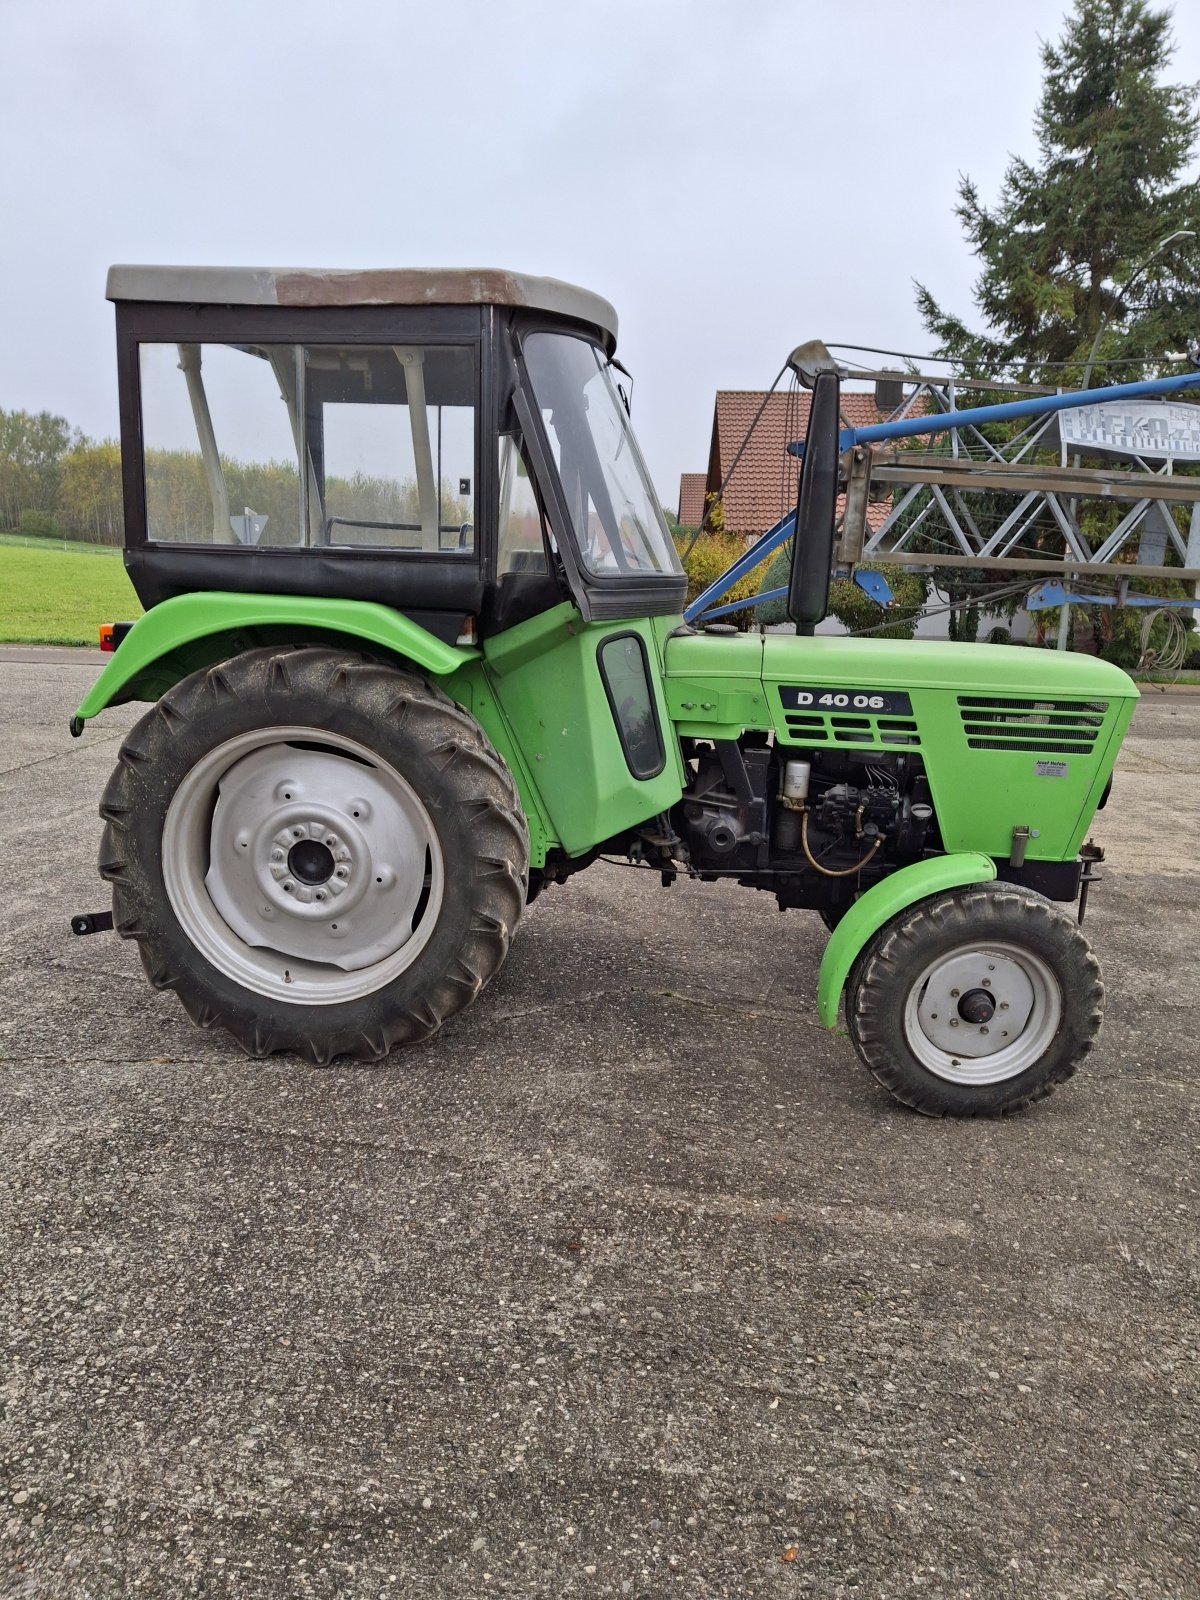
(450, 443)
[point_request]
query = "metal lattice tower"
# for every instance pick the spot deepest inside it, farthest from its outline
(963, 464)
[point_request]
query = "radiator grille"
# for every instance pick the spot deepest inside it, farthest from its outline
(1066, 727)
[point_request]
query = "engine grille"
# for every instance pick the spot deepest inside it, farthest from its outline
(1067, 727)
(838, 727)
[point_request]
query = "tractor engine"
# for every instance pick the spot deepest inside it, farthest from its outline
(814, 826)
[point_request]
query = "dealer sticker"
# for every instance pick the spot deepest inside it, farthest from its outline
(1050, 769)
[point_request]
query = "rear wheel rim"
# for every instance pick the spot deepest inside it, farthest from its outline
(302, 865)
(949, 1029)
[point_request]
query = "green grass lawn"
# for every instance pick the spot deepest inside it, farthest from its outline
(41, 541)
(49, 595)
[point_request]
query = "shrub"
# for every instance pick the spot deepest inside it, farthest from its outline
(856, 612)
(712, 555)
(1123, 646)
(37, 522)
(849, 604)
(775, 577)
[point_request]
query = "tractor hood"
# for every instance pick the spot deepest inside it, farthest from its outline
(723, 655)
(932, 664)
(893, 663)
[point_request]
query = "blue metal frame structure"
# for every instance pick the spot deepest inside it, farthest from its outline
(907, 428)
(1010, 410)
(1050, 595)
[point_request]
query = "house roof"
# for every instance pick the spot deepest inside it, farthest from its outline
(691, 498)
(763, 487)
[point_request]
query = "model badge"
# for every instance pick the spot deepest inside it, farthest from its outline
(891, 704)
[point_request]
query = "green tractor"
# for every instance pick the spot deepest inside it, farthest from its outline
(414, 652)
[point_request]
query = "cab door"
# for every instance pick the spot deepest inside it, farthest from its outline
(585, 703)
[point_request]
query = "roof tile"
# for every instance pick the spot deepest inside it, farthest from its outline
(763, 486)
(691, 499)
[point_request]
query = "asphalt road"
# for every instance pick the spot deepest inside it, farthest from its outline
(632, 1282)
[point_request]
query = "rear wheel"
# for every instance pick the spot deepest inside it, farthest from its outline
(975, 1003)
(318, 852)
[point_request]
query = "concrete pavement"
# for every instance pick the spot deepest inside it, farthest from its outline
(631, 1282)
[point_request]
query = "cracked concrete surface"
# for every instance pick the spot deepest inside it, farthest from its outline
(631, 1282)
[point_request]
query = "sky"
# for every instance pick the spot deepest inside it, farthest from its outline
(736, 176)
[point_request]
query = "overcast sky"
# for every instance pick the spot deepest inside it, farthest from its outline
(734, 177)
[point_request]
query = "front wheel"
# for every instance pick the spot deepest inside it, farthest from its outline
(975, 1003)
(316, 851)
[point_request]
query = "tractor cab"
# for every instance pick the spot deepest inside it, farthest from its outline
(453, 444)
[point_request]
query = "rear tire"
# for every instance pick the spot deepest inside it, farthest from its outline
(975, 1003)
(318, 852)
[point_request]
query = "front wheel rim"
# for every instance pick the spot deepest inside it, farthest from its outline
(302, 865)
(983, 1015)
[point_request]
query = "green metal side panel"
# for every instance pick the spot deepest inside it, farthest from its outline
(1046, 776)
(194, 616)
(470, 688)
(1103, 772)
(546, 681)
(1044, 780)
(714, 685)
(880, 904)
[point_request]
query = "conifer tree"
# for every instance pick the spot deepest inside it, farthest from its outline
(1074, 243)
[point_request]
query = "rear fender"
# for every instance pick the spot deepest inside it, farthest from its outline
(882, 902)
(191, 618)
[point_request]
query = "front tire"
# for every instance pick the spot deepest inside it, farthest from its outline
(318, 852)
(975, 1003)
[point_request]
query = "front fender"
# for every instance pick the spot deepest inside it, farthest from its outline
(191, 617)
(882, 902)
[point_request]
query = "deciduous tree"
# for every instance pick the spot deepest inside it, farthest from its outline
(32, 446)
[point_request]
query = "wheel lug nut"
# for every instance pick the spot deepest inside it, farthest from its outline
(983, 1030)
(954, 1022)
(954, 994)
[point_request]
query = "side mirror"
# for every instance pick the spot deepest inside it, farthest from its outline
(816, 508)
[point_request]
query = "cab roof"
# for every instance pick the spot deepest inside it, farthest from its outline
(382, 286)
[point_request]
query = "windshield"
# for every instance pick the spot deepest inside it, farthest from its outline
(617, 520)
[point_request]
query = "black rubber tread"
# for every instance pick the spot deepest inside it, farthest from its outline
(881, 978)
(438, 748)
